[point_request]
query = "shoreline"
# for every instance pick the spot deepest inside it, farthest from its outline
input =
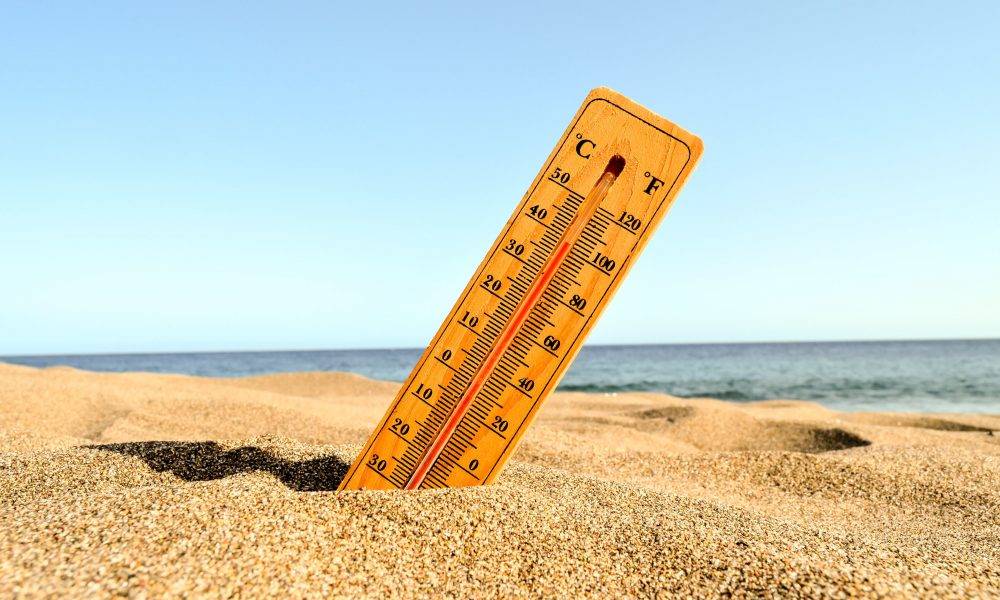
(955, 376)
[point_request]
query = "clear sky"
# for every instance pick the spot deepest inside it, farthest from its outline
(235, 175)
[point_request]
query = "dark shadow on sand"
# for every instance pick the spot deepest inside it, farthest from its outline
(206, 461)
(828, 440)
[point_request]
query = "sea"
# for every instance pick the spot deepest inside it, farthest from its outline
(911, 376)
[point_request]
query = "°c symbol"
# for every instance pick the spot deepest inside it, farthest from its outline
(584, 146)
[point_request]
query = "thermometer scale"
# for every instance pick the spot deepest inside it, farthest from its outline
(524, 315)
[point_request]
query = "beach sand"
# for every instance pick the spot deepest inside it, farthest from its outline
(141, 484)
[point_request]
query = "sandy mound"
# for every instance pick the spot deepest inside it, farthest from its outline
(316, 385)
(151, 484)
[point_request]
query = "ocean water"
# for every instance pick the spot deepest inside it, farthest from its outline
(921, 376)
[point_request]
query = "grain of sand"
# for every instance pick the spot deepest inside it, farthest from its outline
(161, 485)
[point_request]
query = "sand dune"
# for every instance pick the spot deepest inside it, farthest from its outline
(147, 484)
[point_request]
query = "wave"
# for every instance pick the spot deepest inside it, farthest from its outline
(813, 389)
(656, 386)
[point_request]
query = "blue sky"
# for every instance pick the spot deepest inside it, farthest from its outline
(204, 176)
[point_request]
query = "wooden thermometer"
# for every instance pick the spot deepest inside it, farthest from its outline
(524, 315)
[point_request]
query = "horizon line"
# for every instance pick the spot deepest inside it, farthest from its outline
(396, 348)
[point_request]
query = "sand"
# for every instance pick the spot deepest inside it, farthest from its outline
(163, 485)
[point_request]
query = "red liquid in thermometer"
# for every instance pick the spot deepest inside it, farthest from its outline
(587, 208)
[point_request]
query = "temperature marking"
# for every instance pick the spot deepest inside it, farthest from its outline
(523, 316)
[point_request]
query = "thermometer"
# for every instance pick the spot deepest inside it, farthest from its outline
(541, 287)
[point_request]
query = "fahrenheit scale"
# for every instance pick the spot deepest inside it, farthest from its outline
(540, 289)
